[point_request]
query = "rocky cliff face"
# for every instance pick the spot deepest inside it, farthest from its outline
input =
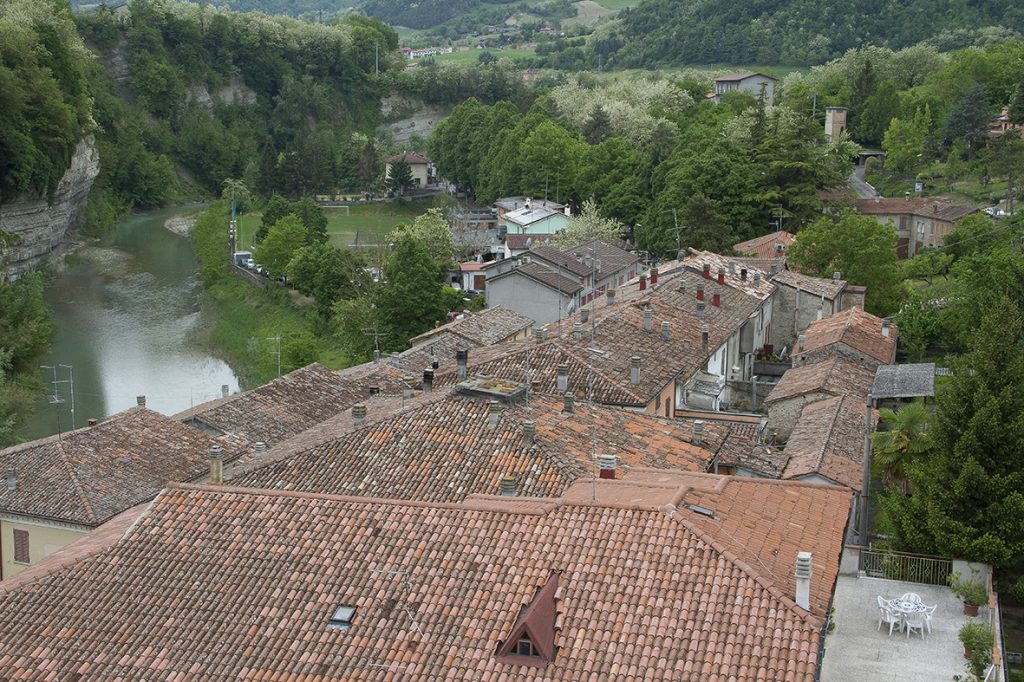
(40, 225)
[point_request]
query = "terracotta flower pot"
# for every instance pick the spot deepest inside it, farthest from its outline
(970, 609)
(968, 653)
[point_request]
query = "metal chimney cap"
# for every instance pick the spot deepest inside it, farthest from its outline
(803, 565)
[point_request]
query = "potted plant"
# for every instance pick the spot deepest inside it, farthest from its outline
(972, 591)
(977, 639)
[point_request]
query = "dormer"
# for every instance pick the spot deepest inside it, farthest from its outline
(531, 641)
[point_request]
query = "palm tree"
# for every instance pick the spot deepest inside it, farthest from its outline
(904, 440)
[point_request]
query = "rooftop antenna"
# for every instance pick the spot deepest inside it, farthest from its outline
(71, 389)
(54, 398)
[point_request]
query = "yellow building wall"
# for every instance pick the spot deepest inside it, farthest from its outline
(43, 540)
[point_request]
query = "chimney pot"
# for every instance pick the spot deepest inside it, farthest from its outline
(462, 359)
(743, 274)
(12, 479)
(493, 412)
(260, 447)
(93, 421)
(643, 282)
(800, 343)
(716, 299)
(508, 486)
(648, 320)
(568, 402)
(584, 315)
(654, 276)
(664, 330)
(705, 337)
(562, 379)
(606, 465)
(634, 370)
(577, 331)
(803, 580)
(707, 271)
(836, 276)
(396, 360)
(428, 380)
(216, 464)
(529, 432)
(698, 432)
(700, 292)
(757, 278)
(721, 275)
(225, 390)
(376, 356)
(610, 296)
(140, 400)
(358, 413)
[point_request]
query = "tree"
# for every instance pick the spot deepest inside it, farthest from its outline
(1006, 157)
(968, 493)
(859, 247)
(411, 299)
(589, 224)
(902, 442)
(486, 57)
(283, 240)
(969, 117)
(904, 140)
(598, 127)
(328, 273)
(879, 110)
(313, 218)
(1017, 104)
(399, 176)
(432, 230)
(277, 208)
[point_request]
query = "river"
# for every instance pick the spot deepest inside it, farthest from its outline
(127, 310)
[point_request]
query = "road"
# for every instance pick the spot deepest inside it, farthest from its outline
(862, 188)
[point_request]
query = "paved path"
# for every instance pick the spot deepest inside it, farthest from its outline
(862, 188)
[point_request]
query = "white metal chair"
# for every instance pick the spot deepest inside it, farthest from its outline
(928, 612)
(912, 597)
(914, 621)
(886, 615)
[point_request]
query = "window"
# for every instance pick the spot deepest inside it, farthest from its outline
(524, 647)
(21, 554)
(657, 405)
(341, 619)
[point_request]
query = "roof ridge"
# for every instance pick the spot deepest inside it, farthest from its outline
(73, 475)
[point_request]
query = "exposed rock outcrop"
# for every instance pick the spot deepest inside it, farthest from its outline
(41, 225)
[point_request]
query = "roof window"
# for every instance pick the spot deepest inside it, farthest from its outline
(703, 511)
(341, 619)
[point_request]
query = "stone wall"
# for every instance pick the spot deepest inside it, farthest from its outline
(794, 312)
(40, 225)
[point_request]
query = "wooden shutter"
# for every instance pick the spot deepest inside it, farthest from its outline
(21, 554)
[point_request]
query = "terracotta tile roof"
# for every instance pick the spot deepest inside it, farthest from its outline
(835, 376)
(855, 328)
(442, 449)
(228, 584)
(828, 439)
(411, 159)
(762, 264)
(91, 474)
(766, 246)
(522, 242)
(760, 290)
(936, 208)
(555, 258)
(294, 402)
(729, 77)
(484, 328)
(743, 448)
(819, 286)
(544, 275)
(911, 380)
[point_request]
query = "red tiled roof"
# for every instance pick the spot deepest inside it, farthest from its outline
(91, 474)
(485, 328)
(855, 328)
(835, 376)
(411, 159)
(819, 286)
(226, 584)
(544, 275)
(729, 77)
(937, 208)
(765, 245)
(522, 242)
(828, 439)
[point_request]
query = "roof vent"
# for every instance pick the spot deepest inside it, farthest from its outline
(358, 413)
(577, 331)
(428, 380)
(610, 295)
(886, 326)
(757, 278)
(803, 580)
(93, 421)
(584, 315)
(462, 359)
(698, 432)
(396, 360)
(648, 320)
(567, 402)
(225, 390)
(705, 336)
(743, 274)
(341, 619)
(261, 447)
(836, 276)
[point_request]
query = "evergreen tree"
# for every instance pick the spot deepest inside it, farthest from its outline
(598, 127)
(399, 176)
(411, 299)
(968, 118)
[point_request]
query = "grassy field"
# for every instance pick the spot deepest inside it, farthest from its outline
(618, 4)
(361, 225)
(471, 56)
(588, 13)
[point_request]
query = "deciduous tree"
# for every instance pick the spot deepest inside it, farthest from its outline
(411, 299)
(283, 240)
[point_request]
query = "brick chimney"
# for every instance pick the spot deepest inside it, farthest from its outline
(568, 401)
(698, 432)
(493, 413)
(140, 400)
(654, 276)
(707, 271)
(610, 295)
(216, 458)
(529, 433)
(12, 479)
(461, 359)
(225, 390)
(716, 299)
(508, 486)
(358, 414)
(428, 380)
(562, 378)
(648, 320)
(664, 330)
(705, 334)
(643, 282)
(606, 465)
(803, 580)
(700, 292)
(634, 370)
(721, 275)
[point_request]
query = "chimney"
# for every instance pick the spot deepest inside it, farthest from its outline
(707, 271)
(886, 325)
(597, 265)
(634, 370)
(648, 320)
(260, 447)
(93, 421)
(435, 364)
(773, 269)
(721, 275)
(654, 276)
(803, 580)
(568, 402)
(700, 292)
(216, 464)
(584, 315)
(538, 334)
(743, 274)
(732, 269)
(428, 380)
(12, 480)
(836, 276)
(800, 343)
(562, 380)
(373, 390)
(698, 432)
(529, 432)
(700, 310)
(508, 486)
(376, 356)
(611, 296)
(821, 312)
(396, 360)
(643, 282)
(140, 400)
(224, 390)
(716, 300)
(906, 195)
(705, 334)
(606, 465)
(462, 359)
(577, 331)
(568, 210)
(358, 414)
(493, 413)
(757, 278)
(664, 330)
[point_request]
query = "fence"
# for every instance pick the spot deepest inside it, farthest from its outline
(912, 568)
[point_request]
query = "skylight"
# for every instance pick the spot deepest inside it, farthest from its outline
(341, 619)
(704, 511)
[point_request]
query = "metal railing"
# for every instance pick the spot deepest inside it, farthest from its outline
(911, 568)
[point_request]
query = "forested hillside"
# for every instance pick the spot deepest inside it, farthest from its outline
(310, 9)
(794, 32)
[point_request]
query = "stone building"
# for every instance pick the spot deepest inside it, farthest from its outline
(802, 300)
